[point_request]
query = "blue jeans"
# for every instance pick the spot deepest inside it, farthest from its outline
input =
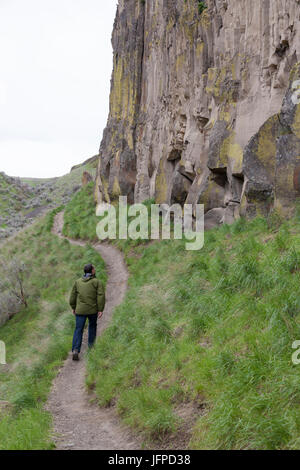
(80, 323)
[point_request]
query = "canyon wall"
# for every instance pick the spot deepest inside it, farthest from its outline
(202, 106)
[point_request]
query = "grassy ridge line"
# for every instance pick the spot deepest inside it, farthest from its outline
(24, 199)
(12, 196)
(39, 338)
(64, 183)
(212, 328)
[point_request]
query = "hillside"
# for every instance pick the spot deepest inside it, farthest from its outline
(24, 199)
(16, 199)
(38, 338)
(199, 355)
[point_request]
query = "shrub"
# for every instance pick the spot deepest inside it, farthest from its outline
(13, 287)
(201, 7)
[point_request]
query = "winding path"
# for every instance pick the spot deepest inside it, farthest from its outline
(79, 424)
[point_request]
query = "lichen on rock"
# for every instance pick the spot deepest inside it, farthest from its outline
(201, 105)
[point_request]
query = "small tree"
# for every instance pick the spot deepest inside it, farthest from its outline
(9, 306)
(12, 285)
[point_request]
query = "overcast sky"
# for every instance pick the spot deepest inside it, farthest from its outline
(55, 69)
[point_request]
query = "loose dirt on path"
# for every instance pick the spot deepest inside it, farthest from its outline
(79, 424)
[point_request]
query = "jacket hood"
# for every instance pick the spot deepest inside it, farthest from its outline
(88, 277)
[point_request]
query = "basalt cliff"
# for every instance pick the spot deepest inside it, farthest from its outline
(204, 106)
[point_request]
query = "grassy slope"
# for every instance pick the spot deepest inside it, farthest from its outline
(12, 197)
(80, 218)
(39, 338)
(20, 203)
(214, 328)
(66, 182)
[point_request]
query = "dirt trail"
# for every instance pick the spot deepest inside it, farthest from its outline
(78, 424)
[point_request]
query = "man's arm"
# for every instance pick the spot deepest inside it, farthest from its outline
(100, 297)
(73, 298)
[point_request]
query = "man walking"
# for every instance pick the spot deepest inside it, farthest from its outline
(87, 301)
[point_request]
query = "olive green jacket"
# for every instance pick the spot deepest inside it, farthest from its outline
(87, 296)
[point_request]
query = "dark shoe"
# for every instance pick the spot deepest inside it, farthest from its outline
(75, 355)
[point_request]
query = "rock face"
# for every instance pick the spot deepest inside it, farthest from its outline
(86, 178)
(202, 106)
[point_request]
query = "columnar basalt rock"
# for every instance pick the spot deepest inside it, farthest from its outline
(201, 107)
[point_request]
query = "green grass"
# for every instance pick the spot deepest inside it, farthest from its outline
(212, 328)
(66, 182)
(80, 220)
(39, 337)
(201, 7)
(12, 197)
(236, 305)
(80, 215)
(22, 202)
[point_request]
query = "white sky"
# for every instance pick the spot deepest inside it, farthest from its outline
(55, 69)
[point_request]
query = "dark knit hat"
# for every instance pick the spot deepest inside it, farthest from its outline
(88, 268)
